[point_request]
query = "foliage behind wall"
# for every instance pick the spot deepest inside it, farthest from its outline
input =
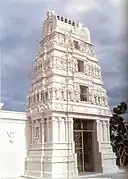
(119, 134)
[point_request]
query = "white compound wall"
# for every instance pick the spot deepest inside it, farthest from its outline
(12, 143)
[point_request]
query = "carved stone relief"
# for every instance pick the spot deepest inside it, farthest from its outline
(61, 93)
(91, 69)
(82, 47)
(36, 131)
(60, 39)
(90, 50)
(97, 96)
(86, 68)
(61, 63)
(48, 61)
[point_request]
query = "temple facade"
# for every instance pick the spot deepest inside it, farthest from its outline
(68, 113)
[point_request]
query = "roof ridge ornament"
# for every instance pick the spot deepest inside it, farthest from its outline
(50, 13)
(1, 105)
(80, 25)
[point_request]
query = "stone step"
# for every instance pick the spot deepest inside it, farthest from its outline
(78, 177)
(94, 178)
(75, 178)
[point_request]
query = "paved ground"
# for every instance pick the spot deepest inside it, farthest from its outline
(119, 175)
(122, 175)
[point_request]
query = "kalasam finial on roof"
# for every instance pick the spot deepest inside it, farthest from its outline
(65, 20)
(69, 21)
(1, 105)
(49, 13)
(62, 19)
(58, 17)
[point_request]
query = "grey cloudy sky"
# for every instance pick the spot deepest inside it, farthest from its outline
(20, 32)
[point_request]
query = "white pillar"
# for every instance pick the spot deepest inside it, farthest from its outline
(64, 94)
(108, 132)
(66, 129)
(55, 127)
(102, 131)
(62, 129)
(71, 127)
(32, 131)
(42, 131)
(99, 132)
(45, 129)
(48, 131)
(105, 131)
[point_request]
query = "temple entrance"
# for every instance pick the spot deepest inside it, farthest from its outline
(83, 137)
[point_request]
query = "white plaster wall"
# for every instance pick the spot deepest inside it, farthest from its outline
(12, 155)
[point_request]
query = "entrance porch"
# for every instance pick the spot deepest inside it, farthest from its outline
(93, 149)
(83, 137)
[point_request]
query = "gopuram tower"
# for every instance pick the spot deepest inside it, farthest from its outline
(68, 113)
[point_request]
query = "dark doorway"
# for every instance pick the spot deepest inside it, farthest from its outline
(88, 151)
(83, 137)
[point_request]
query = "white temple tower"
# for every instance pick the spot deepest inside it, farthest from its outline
(68, 113)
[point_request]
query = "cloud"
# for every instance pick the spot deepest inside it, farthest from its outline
(19, 43)
(20, 26)
(34, 1)
(74, 7)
